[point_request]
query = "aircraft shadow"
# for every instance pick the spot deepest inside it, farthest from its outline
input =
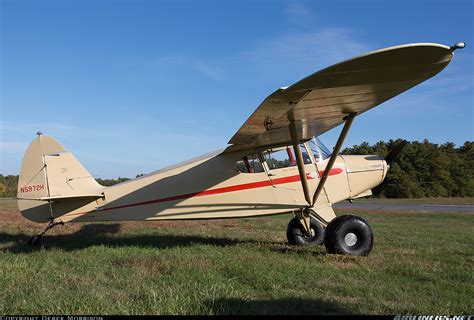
(104, 234)
(289, 306)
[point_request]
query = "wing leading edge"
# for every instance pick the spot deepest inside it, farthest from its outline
(320, 101)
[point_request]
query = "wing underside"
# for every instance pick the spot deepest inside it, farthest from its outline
(319, 102)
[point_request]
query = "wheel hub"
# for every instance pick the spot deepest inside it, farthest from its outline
(310, 234)
(350, 239)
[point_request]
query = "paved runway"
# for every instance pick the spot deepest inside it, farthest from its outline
(407, 207)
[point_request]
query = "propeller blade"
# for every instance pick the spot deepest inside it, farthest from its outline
(395, 151)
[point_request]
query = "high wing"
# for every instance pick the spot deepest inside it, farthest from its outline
(320, 101)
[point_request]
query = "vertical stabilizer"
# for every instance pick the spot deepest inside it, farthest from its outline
(50, 172)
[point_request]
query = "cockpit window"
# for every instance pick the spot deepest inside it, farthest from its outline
(320, 151)
(284, 157)
(249, 164)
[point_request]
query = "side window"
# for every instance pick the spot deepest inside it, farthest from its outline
(284, 157)
(249, 164)
(280, 158)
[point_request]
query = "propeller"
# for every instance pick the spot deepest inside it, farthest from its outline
(395, 152)
(392, 155)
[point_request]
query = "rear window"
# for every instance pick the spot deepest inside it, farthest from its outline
(249, 164)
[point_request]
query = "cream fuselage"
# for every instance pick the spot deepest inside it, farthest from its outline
(210, 187)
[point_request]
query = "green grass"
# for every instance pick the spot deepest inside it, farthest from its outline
(421, 264)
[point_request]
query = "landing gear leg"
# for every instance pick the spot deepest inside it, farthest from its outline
(36, 240)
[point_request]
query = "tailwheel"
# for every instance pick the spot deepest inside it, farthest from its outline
(36, 240)
(349, 235)
(297, 234)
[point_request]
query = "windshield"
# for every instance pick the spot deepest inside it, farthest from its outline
(319, 149)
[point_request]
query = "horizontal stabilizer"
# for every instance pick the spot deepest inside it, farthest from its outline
(65, 198)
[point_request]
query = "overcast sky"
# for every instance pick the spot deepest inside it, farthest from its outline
(132, 86)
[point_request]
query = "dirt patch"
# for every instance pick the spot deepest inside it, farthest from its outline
(10, 216)
(150, 265)
(345, 262)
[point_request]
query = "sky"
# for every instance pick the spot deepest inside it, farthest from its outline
(132, 86)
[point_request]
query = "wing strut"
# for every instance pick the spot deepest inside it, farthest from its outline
(299, 160)
(303, 215)
(331, 161)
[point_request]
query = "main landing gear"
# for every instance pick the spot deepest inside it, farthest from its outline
(347, 235)
(36, 240)
(297, 234)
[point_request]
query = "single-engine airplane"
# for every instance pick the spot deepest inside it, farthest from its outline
(274, 164)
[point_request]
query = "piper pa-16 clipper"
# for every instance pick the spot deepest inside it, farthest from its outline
(274, 164)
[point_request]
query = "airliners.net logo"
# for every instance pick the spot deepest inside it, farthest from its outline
(402, 317)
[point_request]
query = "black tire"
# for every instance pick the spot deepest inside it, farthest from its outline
(297, 235)
(349, 235)
(35, 240)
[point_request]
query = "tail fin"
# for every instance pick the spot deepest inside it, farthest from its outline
(50, 173)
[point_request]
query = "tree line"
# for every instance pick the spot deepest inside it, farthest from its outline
(422, 169)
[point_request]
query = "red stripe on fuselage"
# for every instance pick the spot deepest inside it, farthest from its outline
(333, 171)
(238, 187)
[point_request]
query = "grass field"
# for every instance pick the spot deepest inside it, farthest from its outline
(421, 264)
